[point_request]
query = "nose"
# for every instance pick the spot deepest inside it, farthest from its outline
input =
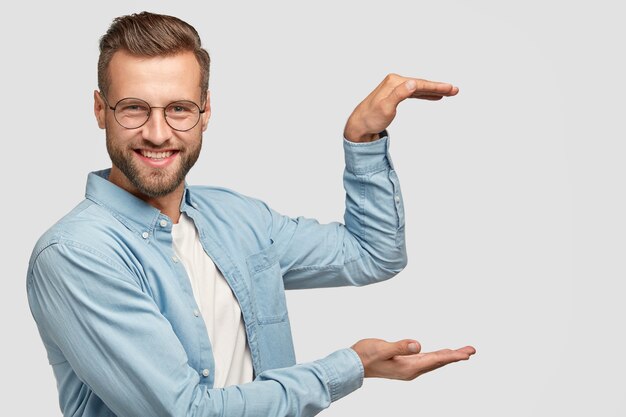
(156, 130)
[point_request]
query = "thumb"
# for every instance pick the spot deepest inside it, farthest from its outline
(402, 92)
(405, 347)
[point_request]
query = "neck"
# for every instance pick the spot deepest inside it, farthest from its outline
(168, 204)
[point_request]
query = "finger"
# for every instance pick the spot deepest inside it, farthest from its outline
(427, 97)
(422, 89)
(411, 347)
(403, 348)
(446, 356)
(430, 361)
(467, 349)
(401, 92)
(435, 88)
(410, 367)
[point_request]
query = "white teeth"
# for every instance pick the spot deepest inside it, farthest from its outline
(156, 155)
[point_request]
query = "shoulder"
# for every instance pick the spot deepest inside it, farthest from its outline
(211, 195)
(88, 232)
(68, 225)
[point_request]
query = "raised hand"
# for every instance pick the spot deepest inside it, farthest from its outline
(403, 360)
(377, 111)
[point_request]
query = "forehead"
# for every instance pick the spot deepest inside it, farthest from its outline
(159, 80)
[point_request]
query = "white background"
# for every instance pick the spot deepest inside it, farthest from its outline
(514, 189)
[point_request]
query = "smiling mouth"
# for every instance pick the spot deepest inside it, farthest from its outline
(155, 155)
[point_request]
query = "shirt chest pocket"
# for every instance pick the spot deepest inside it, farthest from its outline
(267, 286)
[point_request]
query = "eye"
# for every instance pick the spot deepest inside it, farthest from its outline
(181, 109)
(132, 107)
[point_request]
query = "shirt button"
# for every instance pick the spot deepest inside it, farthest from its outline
(205, 373)
(194, 204)
(397, 199)
(163, 223)
(175, 259)
(145, 235)
(196, 313)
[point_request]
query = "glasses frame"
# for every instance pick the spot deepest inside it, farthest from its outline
(200, 112)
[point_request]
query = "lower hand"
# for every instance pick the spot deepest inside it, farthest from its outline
(403, 360)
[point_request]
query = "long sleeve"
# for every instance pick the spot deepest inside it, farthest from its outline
(97, 322)
(369, 247)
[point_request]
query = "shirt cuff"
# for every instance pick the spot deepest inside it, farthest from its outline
(367, 157)
(344, 372)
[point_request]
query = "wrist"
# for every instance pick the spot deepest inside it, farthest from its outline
(366, 137)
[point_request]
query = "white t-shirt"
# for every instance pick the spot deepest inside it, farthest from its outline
(218, 306)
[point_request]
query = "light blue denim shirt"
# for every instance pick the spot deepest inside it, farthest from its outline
(120, 324)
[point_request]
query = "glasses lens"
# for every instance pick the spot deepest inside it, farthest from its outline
(132, 112)
(182, 115)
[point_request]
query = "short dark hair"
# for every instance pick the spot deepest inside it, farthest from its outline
(150, 34)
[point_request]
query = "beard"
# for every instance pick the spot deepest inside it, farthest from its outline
(152, 182)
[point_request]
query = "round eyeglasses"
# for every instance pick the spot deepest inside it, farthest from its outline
(132, 113)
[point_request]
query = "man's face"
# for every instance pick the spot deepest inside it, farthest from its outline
(152, 160)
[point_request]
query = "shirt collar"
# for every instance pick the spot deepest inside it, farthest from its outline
(187, 200)
(133, 212)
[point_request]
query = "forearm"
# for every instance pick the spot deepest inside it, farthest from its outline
(374, 213)
(112, 347)
(301, 390)
(369, 247)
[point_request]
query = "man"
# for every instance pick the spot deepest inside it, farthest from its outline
(154, 298)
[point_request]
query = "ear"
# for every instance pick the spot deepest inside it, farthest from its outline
(207, 111)
(99, 109)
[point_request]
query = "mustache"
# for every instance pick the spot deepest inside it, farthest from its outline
(146, 145)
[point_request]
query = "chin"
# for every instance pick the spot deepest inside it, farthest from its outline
(158, 184)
